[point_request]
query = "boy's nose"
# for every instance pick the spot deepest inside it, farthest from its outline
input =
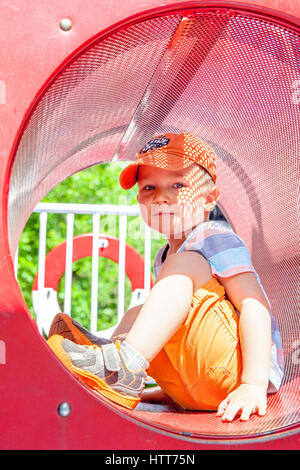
(161, 197)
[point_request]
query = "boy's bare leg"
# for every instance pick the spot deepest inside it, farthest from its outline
(168, 303)
(147, 327)
(126, 323)
(152, 394)
(155, 395)
(163, 312)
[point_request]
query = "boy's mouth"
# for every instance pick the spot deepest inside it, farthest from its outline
(165, 213)
(164, 209)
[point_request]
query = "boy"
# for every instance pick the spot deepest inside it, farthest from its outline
(205, 331)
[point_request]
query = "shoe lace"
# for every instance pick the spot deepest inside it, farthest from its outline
(92, 346)
(96, 346)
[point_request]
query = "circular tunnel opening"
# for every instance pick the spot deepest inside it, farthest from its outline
(227, 75)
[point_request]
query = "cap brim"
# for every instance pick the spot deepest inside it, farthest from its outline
(128, 176)
(165, 162)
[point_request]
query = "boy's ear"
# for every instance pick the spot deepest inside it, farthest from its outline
(137, 196)
(212, 199)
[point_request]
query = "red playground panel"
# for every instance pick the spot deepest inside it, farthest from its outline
(82, 247)
(93, 88)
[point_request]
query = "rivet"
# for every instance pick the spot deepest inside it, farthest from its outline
(64, 409)
(65, 24)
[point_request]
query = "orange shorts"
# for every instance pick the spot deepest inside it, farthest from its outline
(202, 361)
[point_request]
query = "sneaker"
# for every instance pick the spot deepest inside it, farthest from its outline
(102, 368)
(69, 328)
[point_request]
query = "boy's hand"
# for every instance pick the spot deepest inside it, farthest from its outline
(244, 400)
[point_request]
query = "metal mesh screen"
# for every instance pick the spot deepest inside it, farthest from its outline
(225, 77)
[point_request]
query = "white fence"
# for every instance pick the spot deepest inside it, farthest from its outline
(45, 301)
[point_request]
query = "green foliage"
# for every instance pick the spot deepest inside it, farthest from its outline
(95, 185)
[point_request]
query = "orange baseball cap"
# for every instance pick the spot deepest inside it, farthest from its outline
(171, 152)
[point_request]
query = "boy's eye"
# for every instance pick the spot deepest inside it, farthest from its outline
(148, 187)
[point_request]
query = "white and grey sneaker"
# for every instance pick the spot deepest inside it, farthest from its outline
(114, 370)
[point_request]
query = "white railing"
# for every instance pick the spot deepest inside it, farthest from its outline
(95, 211)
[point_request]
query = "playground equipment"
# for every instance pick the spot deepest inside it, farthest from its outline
(80, 87)
(46, 307)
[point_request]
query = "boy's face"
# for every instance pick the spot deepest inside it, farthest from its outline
(171, 202)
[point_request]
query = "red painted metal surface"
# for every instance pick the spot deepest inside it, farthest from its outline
(32, 381)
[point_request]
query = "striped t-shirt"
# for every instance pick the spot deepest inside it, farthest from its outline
(228, 255)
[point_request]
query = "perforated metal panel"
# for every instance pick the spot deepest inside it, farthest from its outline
(226, 77)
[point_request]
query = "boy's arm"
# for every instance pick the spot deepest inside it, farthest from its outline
(246, 295)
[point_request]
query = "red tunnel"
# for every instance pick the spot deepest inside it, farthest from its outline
(95, 91)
